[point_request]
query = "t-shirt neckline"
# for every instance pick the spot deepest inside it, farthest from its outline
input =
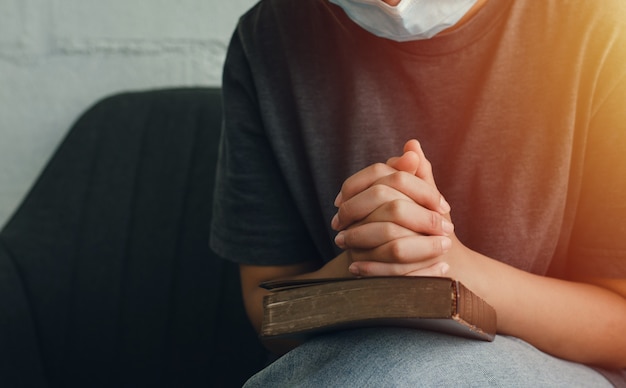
(485, 19)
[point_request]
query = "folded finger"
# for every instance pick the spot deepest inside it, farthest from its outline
(411, 216)
(406, 250)
(417, 189)
(362, 180)
(377, 268)
(364, 203)
(371, 235)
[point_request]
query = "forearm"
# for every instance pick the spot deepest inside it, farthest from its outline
(395, 236)
(575, 321)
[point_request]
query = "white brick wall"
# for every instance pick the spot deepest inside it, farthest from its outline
(57, 57)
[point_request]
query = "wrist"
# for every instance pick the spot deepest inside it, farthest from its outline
(336, 268)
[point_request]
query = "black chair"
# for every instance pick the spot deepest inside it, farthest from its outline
(106, 276)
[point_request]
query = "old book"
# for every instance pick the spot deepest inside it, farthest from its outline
(300, 308)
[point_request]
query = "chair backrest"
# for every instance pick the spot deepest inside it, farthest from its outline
(116, 284)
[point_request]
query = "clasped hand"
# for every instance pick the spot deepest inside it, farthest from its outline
(392, 220)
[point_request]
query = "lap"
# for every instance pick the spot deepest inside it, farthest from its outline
(390, 357)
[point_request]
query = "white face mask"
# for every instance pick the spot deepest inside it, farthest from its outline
(409, 20)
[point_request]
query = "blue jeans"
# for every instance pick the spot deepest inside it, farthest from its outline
(390, 357)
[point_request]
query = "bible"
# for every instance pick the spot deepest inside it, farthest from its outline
(298, 309)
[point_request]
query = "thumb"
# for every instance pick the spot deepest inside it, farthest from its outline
(424, 169)
(408, 162)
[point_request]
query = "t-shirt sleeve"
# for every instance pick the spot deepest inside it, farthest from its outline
(255, 219)
(598, 246)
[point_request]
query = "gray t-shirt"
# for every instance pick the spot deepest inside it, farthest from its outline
(523, 120)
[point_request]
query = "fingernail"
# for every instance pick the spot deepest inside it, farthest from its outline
(446, 244)
(447, 227)
(338, 199)
(444, 206)
(354, 269)
(335, 222)
(444, 268)
(340, 240)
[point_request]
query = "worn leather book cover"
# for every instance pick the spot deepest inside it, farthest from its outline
(300, 308)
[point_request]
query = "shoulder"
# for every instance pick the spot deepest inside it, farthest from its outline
(297, 29)
(590, 31)
(579, 14)
(607, 10)
(605, 15)
(277, 15)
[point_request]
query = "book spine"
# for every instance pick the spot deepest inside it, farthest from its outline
(474, 310)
